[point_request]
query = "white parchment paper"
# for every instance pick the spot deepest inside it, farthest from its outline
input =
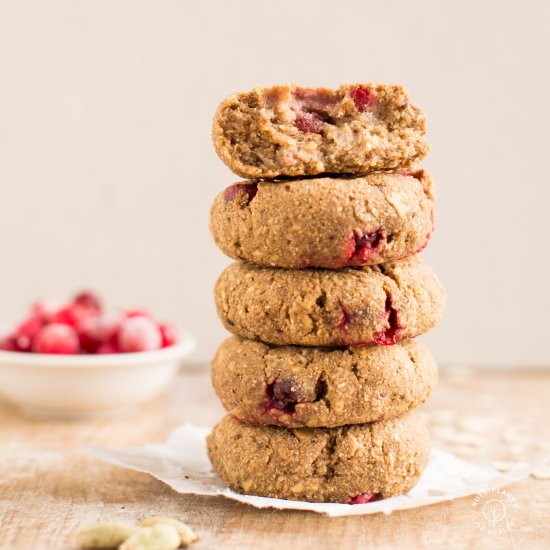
(182, 463)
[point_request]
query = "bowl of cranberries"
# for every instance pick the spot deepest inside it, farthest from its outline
(81, 359)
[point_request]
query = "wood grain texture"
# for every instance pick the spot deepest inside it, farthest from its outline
(50, 485)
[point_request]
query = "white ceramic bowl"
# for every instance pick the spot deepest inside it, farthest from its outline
(75, 386)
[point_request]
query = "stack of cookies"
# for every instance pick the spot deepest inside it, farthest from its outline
(327, 294)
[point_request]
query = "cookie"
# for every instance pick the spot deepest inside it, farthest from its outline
(298, 386)
(295, 131)
(351, 464)
(353, 306)
(325, 222)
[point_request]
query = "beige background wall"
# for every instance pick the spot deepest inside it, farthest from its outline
(107, 171)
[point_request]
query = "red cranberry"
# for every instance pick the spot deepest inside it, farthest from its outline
(26, 332)
(309, 122)
(282, 395)
(363, 498)
(370, 240)
(107, 347)
(169, 334)
(344, 320)
(364, 98)
(361, 247)
(138, 334)
(88, 301)
(56, 338)
(45, 310)
(390, 335)
(8, 343)
(94, 331)
(71, 315)
(249, 189)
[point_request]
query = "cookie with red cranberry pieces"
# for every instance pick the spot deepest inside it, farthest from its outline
(325, 222)
(353, 306)
(295, 131)
(297, 387)
(350, 464)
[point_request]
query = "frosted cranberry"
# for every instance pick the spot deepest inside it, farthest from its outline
(390, 335)
(363, 98)
(309, 123)
(169, 334)
(248, 189)
(282, 395)
(45, 310)
(138, 334)
(9, 343)
(107, 347)
(56, 338)
(26, 332)
(363, 498)
(88, 301)
(71, 315)
(94, 331)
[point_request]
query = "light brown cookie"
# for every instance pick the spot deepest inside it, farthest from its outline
(351, 464)
(320, 307)
(325, 222)
(298, 386)
(295, 131)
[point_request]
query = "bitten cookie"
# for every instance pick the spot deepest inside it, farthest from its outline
(298, 386)
(295, 131)
(325, 222)
(351, 464)
(320, 307)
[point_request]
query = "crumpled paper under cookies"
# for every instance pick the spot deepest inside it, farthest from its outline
(182, 463)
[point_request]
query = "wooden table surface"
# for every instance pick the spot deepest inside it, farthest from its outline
(51, 486)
